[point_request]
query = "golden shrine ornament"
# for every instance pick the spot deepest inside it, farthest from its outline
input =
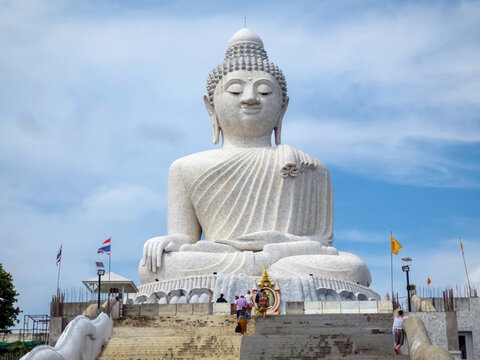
(272, 290)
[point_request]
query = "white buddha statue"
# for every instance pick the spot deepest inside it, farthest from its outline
(257, 205)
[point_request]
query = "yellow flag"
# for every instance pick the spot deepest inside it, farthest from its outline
(429, 281)
(395, 245)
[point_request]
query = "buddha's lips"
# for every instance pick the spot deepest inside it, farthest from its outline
(250, 109)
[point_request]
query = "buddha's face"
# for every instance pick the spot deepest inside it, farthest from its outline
(248, 103)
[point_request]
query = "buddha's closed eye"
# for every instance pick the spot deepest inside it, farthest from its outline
(264, 89)
(235, 89)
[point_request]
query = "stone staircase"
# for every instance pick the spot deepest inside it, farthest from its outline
(174, 337)
(326, 336)
(329, 336)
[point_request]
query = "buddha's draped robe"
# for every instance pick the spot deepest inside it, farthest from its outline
(275, 188)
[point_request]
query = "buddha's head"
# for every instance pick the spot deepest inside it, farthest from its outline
(246, 94)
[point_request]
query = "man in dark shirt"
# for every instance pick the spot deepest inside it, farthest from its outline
(221, 299)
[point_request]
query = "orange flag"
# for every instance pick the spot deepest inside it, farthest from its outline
(461, 245)
(395, 245)
(428, 281)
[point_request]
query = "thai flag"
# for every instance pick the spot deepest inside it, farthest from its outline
(59, 255)
(105, 248)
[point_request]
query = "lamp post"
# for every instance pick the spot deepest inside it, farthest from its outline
(100, 273)
(406, 269)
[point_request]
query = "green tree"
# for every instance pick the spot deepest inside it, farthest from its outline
(8, 312)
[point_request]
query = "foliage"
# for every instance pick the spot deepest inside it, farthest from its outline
(8, 312)
(17, 350)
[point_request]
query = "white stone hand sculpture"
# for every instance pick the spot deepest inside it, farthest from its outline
(155, 247)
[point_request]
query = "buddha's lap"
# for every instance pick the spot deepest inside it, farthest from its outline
(180, 264)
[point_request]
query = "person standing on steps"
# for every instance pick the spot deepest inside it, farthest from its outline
(398, 334)
(243, 320)
(257, 300)
(263, 303)
(235, 305)
(249, 299)
(241, 303)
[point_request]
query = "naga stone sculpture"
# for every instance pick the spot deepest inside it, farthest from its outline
(258, 206)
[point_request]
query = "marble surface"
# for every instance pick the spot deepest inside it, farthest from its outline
(294, 288)
(257, 205)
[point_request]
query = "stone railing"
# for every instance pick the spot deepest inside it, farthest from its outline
(419, 344)
(111, 307)
(82, 339)
(312, 307)
(338, 307)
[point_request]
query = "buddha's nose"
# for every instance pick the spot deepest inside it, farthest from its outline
(250, 96)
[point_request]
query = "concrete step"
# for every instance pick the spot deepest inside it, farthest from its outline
(187, 337)
(326, 336)
(317, 346)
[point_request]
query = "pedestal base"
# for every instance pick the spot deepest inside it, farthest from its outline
(207, 288)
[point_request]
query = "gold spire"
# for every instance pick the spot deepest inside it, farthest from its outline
(265, 281)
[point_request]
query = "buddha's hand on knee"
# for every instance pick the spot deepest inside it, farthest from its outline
(155, 247)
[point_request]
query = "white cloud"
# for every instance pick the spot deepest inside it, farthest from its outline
(397, 93)
(475, 278)
(406, 151)
(122, 202)
(410, 83)
(416, 50)
(359, 236)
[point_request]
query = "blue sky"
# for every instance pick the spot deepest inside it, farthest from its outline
(98, 98)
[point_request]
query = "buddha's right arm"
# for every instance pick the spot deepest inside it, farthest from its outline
(183, 226)
(182, 218)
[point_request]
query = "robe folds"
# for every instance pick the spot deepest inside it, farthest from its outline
(275, 188)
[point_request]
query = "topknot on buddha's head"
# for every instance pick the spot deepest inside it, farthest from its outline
(245, 52)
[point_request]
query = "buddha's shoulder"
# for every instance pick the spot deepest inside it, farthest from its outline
(201, 159)
(191, 165)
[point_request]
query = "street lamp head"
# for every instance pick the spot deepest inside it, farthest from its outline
(405, 268)
(100, 272)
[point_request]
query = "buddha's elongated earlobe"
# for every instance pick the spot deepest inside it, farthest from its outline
(278, 128)
(215, 129)
(213, 119)
(278, 133)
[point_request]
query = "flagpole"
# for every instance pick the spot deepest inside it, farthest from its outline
(109, 271)
(465, 264)
(109, 260)
(58, 277)
(391, 263)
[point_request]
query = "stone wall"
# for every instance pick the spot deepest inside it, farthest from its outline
(177, 309)
(292, 308)
(74, 308)
(338, 307)
(468, 320)
(443, 327)
(58, 323)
